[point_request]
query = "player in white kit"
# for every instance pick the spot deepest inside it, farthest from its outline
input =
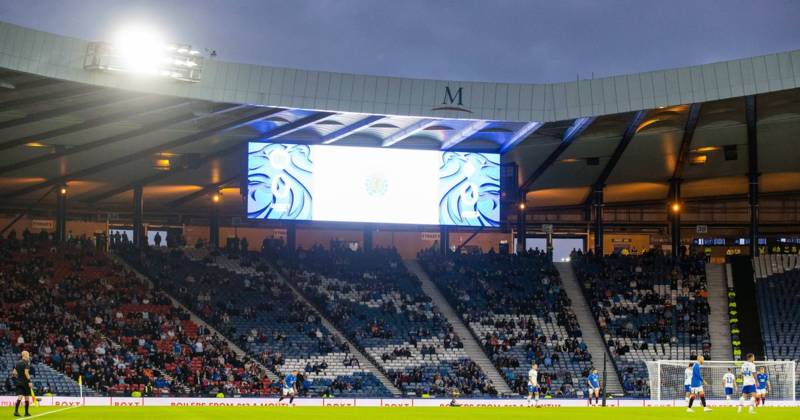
(748, 384)
(687, 381)
(728, 382)
(533, 384)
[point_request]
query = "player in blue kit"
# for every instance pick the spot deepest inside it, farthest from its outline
(289, 387)
(594, 386)
(697, 385)
(762, 386)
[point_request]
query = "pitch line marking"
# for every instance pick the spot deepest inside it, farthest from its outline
(51, 412)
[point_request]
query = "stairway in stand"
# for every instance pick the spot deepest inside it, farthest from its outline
(362, 358)
(718, 322)
(591, 334)
(471, 345)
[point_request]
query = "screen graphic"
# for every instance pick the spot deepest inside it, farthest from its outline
(355, 184)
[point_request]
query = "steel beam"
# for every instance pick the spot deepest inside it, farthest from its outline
(295, 125)
(203, 191)
(67, 109)
(159, 105)
(686, 142)
(237, 147)
(351, 129)
(158, 125)
(520, 135)
(79, 90)
(406, 132)
(191, 138)
(627, 136)
(574, 131)
(464, 134)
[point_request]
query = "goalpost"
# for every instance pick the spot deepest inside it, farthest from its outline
(667, 376)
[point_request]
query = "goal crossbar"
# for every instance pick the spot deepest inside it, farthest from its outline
(666, 378)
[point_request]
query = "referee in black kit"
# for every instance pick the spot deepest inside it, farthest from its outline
(22, 376)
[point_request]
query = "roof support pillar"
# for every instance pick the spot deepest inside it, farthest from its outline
(138, 213)
(521, 230)
(367, 237)
(444, 239)
(213, 223)
(291, 236)
(597, 205)
(753, 174)
(675, 216)
(61, 214)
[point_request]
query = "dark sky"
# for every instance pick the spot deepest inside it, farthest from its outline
(494, 40)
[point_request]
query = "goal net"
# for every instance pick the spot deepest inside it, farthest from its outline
(667, 378)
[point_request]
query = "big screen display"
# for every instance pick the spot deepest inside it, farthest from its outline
(359, 184)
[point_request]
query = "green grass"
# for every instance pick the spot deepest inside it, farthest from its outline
(383, 413)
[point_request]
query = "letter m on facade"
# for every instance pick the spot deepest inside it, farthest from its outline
(451, 98)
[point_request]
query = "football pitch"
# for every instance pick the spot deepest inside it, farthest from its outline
(384, 413)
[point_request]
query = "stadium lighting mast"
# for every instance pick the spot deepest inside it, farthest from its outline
(140, 50)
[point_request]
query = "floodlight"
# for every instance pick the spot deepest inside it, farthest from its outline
(142, 51)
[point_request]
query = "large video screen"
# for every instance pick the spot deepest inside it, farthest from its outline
(359, 184)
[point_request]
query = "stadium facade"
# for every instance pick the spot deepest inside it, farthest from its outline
(715, 140)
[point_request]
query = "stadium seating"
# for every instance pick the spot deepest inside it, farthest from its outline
(372, 297)
(648, 307)
(778, 300)
(250, 305)
(515, 306)
(85, 316)
(46, 380)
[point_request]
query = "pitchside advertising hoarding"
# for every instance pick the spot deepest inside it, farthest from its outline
(372, 185)
(8, 401)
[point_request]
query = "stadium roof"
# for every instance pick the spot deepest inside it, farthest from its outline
(103, 133)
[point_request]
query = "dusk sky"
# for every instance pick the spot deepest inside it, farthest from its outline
(489, 40)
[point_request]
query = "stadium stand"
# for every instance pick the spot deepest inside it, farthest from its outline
(516, 307)
(86, 316)
(371, 296)
(263, 316)
(778, 297)
(648, 307)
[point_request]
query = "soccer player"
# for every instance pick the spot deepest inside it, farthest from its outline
(289, 387)
(697, 385)
(687, 381)
(748, 384)
(24, 383)
(728, 381)
(533, 384)
(594, 386)
(762, 386)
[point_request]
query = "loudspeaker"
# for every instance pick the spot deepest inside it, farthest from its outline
(509, 190)
(730, 152)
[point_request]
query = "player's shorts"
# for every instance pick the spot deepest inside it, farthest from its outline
(761, 391)
(697, 389)
(748, 389)
(287, 391)
(594, 390)
(728, 391)
(533, 388)
(687, 388)
(23, 389)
